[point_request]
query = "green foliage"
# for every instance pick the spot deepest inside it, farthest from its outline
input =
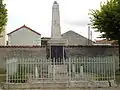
(106, 20)
(3, 16)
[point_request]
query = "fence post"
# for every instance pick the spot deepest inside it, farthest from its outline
(69, 62)
(113, 61)
(53, 69)
(7, 71)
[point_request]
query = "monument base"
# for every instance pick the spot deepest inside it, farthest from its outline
(58, 72)
(56, 46)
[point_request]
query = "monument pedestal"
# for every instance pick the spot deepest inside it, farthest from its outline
(58, 72)
(56, 46)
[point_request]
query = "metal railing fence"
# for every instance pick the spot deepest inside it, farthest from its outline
(42, 70)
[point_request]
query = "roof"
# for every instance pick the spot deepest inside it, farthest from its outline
(24, 26)
(45, 38)
(72, 32)
(104, 41)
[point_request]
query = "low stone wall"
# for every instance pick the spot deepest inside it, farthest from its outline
(9, 52)
(84, 51)
(77, 51)
(71, 84)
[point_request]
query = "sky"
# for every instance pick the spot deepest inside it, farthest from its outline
(37, 14)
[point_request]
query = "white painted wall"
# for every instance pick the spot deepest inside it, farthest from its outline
(24, 36)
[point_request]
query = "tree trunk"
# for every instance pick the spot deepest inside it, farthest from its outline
(119, 53)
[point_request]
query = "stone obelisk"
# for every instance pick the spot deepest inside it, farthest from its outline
(55, 27)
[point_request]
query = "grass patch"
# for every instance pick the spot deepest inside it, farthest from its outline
(117, 76)
(2, 75)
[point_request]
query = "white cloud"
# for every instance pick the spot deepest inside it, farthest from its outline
(37, 14)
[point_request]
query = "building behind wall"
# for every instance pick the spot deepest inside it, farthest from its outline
(105, 42)
(74, 38)
(71, 37)
(24, 36)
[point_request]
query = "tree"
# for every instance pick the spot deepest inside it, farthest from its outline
(3, 15)
(106, 20)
